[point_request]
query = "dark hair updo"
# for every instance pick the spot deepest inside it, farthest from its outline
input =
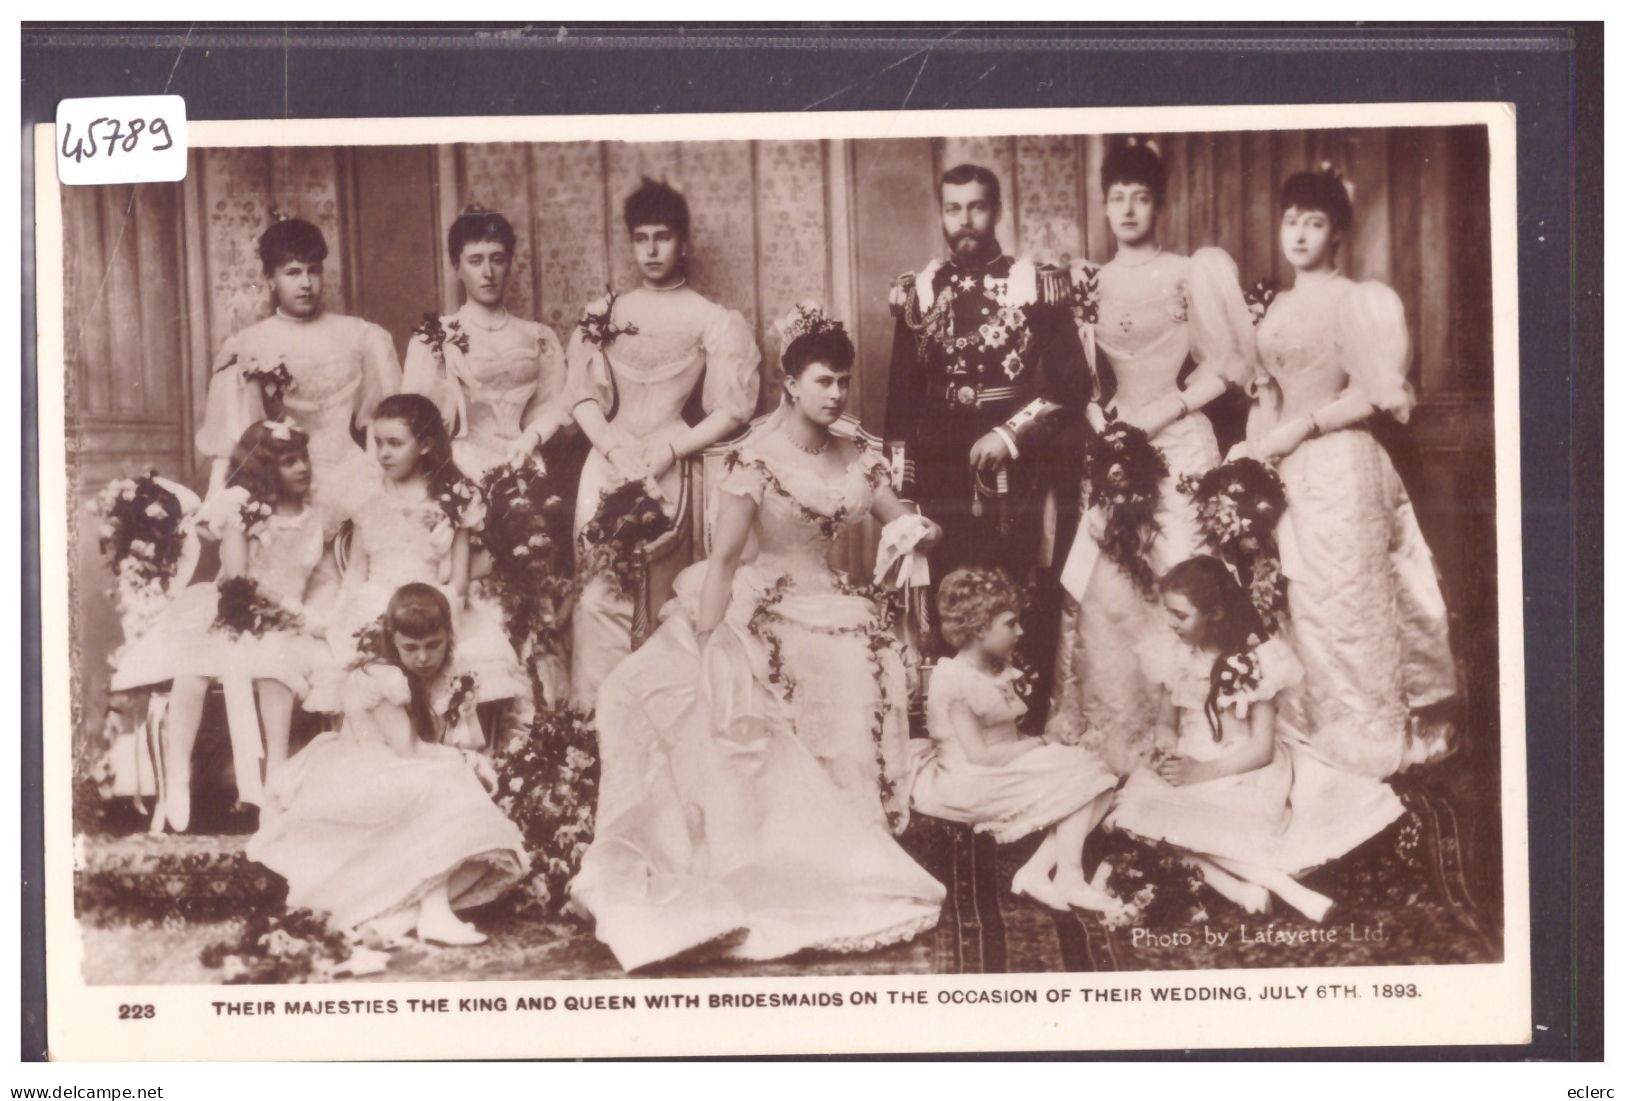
(288, 240)
(1322, 191)
(657, 204)
(477, 224)
(831, 347)
(1135, 164)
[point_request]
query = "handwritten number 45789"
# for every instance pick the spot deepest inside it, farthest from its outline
(116, 135)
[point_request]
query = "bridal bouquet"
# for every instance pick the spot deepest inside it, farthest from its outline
(1124, 471)
(140, 536)
(629, 518)
(527, 534)
(547, 785)
(244, 610)
(1238, 505)
(1258, 298)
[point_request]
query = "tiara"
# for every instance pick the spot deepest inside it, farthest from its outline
(804, 319)
(474, 208)
(1135, 140)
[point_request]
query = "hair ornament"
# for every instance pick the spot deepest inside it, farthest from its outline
(1329, 169)
(806, 318)
(1134, 140)
(278, 214)
(474, 208)
(281, 430)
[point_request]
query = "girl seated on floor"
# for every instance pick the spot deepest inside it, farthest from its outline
(385, 825)
(977, 769)
(1230, 781)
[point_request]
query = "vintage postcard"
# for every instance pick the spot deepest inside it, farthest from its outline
(757, 584)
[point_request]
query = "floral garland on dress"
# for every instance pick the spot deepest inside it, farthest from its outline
(1124, 472)
(274, 382)
(527, 534)
(243, 609)
(547, 785)
(1238, 675)
(878, 633)
(1238, 506)
(437, 334)
(140, 535)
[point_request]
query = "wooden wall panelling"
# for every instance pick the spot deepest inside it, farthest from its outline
(400, 257)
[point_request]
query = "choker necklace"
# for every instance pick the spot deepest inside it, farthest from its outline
(663, 290)
(469, 317)
(804, 449)
(286, 316)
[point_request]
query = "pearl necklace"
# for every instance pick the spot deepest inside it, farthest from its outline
(664, 290)
(1118, 260)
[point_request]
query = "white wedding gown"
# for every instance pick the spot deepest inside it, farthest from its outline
(748, 786)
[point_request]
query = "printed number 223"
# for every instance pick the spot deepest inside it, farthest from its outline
(136, 1012)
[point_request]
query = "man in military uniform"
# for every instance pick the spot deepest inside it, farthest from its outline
(984, 423)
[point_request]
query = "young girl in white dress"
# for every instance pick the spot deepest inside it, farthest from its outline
(416, 528)
(1230, 782)
(497, 379)
(325, 371)
(978, 769)
(384, 824)
(269, 534)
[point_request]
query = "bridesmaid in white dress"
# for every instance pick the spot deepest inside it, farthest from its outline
(1234, 784)
(755, 749)
(326, 371)
(384, 823)
(633, 364)
(497, 379)
(270, 534)
(1154, 310)
(1367, 617)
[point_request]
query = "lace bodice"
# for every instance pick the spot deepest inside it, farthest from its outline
(682, 340)
(340, 368)
(406, 538)
(496, 387)
(1322, 336)
(1153, 316)
(800, 512)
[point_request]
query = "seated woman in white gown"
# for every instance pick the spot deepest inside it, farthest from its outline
(1231, 781)
(384, 823)
(755, 750)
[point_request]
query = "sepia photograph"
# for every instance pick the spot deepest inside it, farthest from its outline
(971, 551)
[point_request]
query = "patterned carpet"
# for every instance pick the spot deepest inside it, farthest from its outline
(150, 904)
